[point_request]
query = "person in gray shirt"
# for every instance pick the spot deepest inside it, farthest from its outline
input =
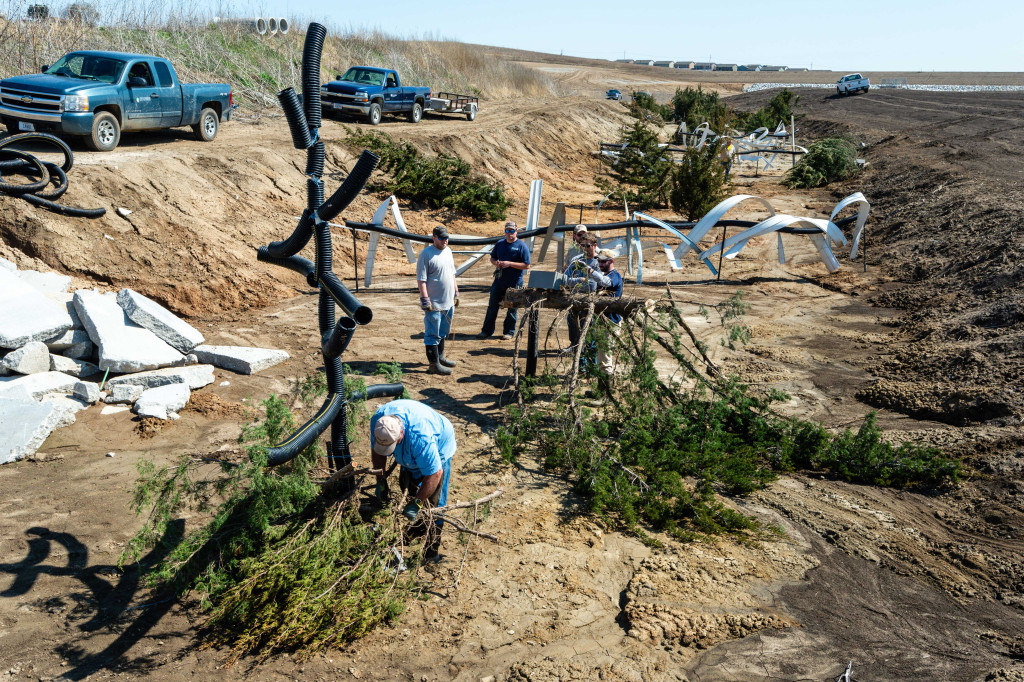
(439, 295)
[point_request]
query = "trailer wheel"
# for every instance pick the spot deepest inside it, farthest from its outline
(206, 129)
(106, 132)
(417, 113)
(471, 114)
(374, 115)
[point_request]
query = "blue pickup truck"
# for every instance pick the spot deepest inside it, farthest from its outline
(98, 94)
(371, 92)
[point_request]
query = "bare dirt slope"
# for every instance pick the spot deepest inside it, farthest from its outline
(908, 585)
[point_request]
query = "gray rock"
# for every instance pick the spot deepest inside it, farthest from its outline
(68, 339)
(69, 404)
(35, 386)
(241, 359)
(45, 282)
(123, 345)
(80, 351)
(194, 377)
(87, 391)
(162, 401)
(125, 394)
(148, 313)
(27, 315)
(114, 409)
(32, 358)
(25, 424)
(76, 368)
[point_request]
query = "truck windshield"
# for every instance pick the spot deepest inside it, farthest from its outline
(88, 67)
(364, 76)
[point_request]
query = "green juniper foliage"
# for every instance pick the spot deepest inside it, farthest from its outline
(646, 108)
(640, 173)
(779, 108)
(698, 183)
(279, 566)
(664, 452)
(826, 161)
(695, 106)
(442, 181)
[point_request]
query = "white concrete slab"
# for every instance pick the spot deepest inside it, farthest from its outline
(68, 339)
(194, 376)
(114, 409)
(162, 401)
(147, 313)
(76, 368)
(7, 265)
(123, 394)
(32, 358)
(45, 282)
(81, 351)
(240, 359)
(27, 315)
(123, 345)
(24, 425)
(35, 386)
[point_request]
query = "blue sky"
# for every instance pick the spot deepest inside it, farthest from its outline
(907, 35)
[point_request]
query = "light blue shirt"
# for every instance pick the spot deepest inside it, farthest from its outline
(429, 438)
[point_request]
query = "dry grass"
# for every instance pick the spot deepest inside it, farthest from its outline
(256, 66)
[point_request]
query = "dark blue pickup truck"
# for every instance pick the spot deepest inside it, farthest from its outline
(98, 94)
(371, 92)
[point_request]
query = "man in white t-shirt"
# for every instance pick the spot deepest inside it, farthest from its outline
(439, 294)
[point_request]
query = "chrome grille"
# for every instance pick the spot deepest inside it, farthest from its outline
(25, 100)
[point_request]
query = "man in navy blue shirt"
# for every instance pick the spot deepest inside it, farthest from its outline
(510, 257)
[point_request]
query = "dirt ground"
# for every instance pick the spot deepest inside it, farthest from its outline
(907, 585)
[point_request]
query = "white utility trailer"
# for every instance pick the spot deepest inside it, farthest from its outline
(450, 103)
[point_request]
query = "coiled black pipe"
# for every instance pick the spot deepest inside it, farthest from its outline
(335, 344)
(297, 124)
(297, 240)
(298, 264)
(315, 156)
(35, 192)
(311, 50)
(352, 186)
(309, 431)
(344, 298)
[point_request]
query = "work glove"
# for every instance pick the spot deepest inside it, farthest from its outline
(456, 301)
(425, 304)
(381, 492)
(411, 510)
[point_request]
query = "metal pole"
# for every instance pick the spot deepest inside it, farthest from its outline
(532, 341)
(721, 254)
(355, 261)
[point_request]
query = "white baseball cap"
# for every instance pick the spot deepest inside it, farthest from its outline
(386, 434)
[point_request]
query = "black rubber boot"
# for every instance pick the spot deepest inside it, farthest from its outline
(435, 366)
(440, 355)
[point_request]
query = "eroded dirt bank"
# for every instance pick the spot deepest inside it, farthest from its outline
(909, 585)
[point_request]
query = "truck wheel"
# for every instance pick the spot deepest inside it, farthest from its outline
(106, 132)
(471, 113)
(417, 113)
(206, 129)
(374, 116)
(838, 92)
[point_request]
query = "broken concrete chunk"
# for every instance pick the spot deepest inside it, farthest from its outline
(114, 409)
(69, 404)
(195, 376)
(123, 345)
(87, 391)
(148, 313)
(7, 265)
(24, 425)
(45, 282)
(124, 394)
(162, 401)
(76, 368)
(80, 351)
(68, 339)
(32, 358)
(240, 359)
(35, 386)
(27, 315)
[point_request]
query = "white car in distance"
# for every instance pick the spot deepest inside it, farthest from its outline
(851, 83)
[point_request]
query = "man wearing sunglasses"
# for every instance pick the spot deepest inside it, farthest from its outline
(510, 257)
(439, 294)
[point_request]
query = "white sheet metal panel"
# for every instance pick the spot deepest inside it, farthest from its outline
(557, 220)
(863, 207)
(397, 215)
(705, 224)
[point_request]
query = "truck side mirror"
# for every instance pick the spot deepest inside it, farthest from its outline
(136, 82)
(44, 68)
(337, 76)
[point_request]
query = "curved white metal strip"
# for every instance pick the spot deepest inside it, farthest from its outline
(674, 232)
(400, 223)
(705, 224)
(863, 208)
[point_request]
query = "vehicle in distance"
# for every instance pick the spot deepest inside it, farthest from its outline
(97, 95)
(371, 92)
(851, 83)
(613, 94)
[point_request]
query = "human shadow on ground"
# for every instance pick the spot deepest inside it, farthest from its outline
(110, 591)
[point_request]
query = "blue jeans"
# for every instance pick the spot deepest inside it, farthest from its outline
(436, 325)
(497, 294)
(411, 485)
